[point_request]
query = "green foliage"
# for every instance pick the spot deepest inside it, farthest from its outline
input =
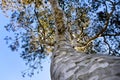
(94, 25)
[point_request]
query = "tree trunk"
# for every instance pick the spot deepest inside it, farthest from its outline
(68, 64)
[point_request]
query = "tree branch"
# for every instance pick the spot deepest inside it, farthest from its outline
(107, 44)
(43, 41)
(60, 21)
(102, 31)
(43, 34)
(118, 34)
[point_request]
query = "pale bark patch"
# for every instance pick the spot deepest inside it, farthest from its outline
(98, 65)
(94, 78)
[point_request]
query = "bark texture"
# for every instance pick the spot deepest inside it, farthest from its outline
(68, 64)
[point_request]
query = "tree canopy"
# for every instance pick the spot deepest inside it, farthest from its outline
(93, 25)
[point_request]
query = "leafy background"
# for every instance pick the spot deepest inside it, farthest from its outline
(11, 64)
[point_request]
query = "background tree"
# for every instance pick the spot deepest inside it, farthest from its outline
(92, 26)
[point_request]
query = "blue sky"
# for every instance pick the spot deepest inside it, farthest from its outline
(11, 65)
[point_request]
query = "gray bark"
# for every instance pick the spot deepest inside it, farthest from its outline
(68, 64)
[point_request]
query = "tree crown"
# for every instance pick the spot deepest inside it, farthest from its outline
(93, 26)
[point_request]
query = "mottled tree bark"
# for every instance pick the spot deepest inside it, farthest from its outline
(68, 64)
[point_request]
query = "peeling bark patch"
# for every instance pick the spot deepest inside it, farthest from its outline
(98, 65)
(94, 78)
(101, 59)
